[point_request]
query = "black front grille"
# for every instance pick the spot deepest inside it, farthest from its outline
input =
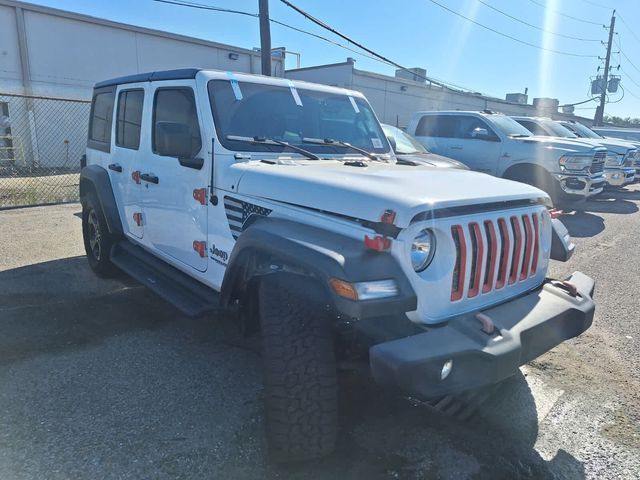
(597, 167)
(628, 159)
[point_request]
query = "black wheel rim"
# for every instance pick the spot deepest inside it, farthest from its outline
(94, 235)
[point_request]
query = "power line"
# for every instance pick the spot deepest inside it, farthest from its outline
(631, 93)
(536, 26)
(560, 52)
(207, 7)
(272, 20)
(629, 77)
(557, 12)
(627, 58)
(597, 4)
(322, 24)
(629, 28)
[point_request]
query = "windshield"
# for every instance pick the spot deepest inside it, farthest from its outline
(405, 143)
(508, 126)
(557, 130)
(583, 131)
(290, 115)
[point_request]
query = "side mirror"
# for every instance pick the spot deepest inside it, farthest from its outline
(392, 142)
(173, 139)
(483, 134)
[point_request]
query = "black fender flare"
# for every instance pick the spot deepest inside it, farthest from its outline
(271, 245)
(94, 178)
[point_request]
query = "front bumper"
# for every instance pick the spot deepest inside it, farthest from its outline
(619, 176)
(581, 185)
(526, 327)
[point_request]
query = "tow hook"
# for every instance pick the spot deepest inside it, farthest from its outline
(568, 287)
(487, 324)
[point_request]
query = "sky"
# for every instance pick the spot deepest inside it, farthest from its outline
(419, 33)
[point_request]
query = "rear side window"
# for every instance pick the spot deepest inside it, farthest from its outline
(101, 119)
(129, 118)
(436, 126)
(177, 105)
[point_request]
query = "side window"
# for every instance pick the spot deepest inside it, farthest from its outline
(129, 118)
(177, 105)
(532, 127)
(100, 121)
(465, 126)
(436, 126)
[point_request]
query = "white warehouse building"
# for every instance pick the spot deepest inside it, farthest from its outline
(51, 54)
(394, 99)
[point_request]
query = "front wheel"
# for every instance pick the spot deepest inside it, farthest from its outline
(300, 379)
(97, 238)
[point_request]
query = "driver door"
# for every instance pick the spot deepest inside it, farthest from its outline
(175, 220)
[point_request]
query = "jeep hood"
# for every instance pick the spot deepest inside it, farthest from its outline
(365, 192)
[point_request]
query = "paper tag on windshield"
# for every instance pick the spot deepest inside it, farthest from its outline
(354, 104)
(294, 92)
(235, 86)
(376, 142)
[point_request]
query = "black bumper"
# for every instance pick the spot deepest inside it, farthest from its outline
(526, 327)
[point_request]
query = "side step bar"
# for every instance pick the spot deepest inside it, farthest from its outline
(186, 294)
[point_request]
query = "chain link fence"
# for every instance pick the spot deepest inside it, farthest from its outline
(41, 142)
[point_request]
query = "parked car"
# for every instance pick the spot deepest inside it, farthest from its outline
(618, 167)
(408, 149)
(281, 203)
(632, 134)
(583, 131)
(493, 143)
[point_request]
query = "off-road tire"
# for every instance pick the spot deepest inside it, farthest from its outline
(299, 369)
(97, 238)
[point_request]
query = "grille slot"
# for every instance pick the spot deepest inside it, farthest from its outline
(494, 253)
(597, 165)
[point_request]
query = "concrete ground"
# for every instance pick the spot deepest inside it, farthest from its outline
(101, 379)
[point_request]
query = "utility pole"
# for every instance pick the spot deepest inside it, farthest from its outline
(599, 116)
(265, 37)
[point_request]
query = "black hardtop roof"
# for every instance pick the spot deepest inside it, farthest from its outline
(178, 74)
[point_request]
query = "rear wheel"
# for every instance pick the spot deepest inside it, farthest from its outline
(300, 380)
(97, 238)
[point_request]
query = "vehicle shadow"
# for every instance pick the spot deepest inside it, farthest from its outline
(581, 224)
(149, 393)
(386, 436)
(614, 201)
(582, 220)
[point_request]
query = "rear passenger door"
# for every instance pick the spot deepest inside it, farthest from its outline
(175, 215)
(126, 159)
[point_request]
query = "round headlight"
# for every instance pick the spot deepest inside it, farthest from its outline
(422, 250)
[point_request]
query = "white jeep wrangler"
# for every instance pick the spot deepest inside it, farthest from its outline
(283, 201)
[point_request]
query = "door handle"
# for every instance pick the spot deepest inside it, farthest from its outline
(147, 177)
(456, 147)
(115, 167)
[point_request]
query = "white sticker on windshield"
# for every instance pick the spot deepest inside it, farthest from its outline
(376, 142)
(294, 92)
(354, 104)
(235, 86)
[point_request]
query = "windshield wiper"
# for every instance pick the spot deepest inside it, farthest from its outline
(271, 141)
(519, 135)
(330, 141)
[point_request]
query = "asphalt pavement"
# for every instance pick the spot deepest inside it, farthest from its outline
(99, 379)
